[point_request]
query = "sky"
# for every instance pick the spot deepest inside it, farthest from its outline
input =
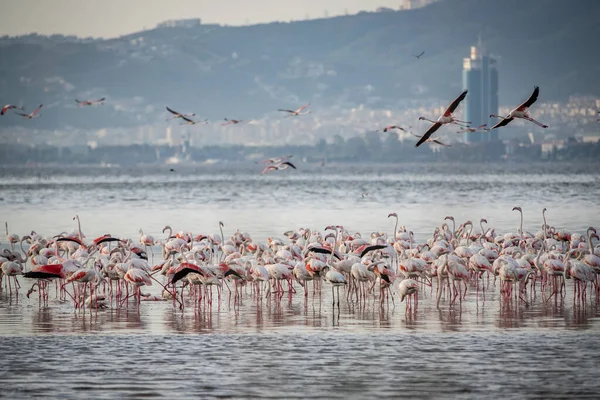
(111, 18)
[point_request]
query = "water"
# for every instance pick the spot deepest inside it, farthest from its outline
(296, 347)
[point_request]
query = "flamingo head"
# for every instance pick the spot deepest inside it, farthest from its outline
(421, 118)
(483, 220)
(221, 223)
(393, 215)
(517, 209)
(451, 218)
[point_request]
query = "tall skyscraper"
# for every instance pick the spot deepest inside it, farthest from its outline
(480, 77)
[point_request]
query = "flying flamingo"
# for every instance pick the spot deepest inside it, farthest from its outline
(233, 121)
(520, 112)
(390, 127)
(470, 129)
(277, 167)
(447, 118)
(83, 103)
(419, 55)
(8, 107)
(433, 140)
(274, 160)
(178, 114)
(191, 122)
(33, 114)
(292, 113)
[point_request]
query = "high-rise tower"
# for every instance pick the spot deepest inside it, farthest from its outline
(480, 77)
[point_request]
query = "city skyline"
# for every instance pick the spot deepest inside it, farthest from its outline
(113, 18)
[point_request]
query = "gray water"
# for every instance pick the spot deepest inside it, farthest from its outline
(297, 347)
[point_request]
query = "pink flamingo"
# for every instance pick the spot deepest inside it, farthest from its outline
(520, 112)
(83, 103)
(298, 112)
(33, 114)
(446, 118)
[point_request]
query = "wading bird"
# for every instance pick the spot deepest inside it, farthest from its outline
(83, 103)
(470, 129)
(178, 114)
(292, 113)
(233, 121)
(447, 118)
(389, 128)
(278, 167)
(8, 107)
(432, 140)
(520, 112)
(33, 114)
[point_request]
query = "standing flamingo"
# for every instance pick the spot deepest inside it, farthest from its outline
(446, 118)
(520, 112)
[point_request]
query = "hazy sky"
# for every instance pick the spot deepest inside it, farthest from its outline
(110, 18)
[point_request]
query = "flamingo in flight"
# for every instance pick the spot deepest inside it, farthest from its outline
(83, 103)
(233, 121)
(420, 55)
(178, 114)
(274, 160)
(470, 129)
(433, 140)
(279, 166)
(8, 107)
(33, 114)
(390, 127)
(191, 122)
(447, 118)
(292, 113)
(520, 112)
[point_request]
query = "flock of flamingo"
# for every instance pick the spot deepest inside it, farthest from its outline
(111, 272)
(521, 112)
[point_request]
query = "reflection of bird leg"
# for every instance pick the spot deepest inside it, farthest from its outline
(31, 290)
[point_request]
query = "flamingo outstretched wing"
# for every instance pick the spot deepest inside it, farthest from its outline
(429, 132)
(172, 111)
(455, 103)
(502, 122)
(302, 108)
(37, 110)
(288, 163)
(532, 99)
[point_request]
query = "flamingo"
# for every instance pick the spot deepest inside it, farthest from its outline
(277, 167)
(470, 129)
(433, 140)
(390, 127)
(33, 114)
(298, 112)
(8, 107)
(418, 56)
(232, 121)
(520, 112)
(446, 118)
(276, 160)
(12, 238)
(83, 103)
(178, 114)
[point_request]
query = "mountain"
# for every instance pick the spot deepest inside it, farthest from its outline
(246, 72)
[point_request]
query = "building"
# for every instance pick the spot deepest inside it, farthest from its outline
(480, 77)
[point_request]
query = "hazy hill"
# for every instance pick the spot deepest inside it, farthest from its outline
(345, 61)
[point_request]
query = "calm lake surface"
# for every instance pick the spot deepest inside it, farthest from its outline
(297, 347)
